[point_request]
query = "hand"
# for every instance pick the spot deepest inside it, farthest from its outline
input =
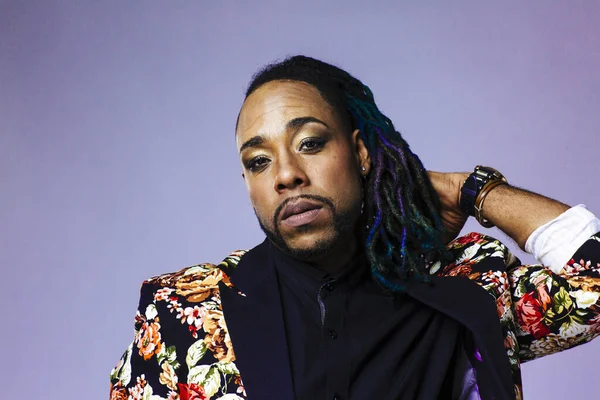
(448, 185)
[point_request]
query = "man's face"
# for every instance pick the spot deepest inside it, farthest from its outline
(302, 168)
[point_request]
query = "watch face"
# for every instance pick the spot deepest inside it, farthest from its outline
(488, 173)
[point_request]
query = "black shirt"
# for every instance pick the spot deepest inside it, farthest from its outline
(348, 340)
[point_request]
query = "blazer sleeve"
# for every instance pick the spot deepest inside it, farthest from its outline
(557, 310)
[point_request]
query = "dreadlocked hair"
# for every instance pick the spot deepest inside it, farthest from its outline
(404, 231)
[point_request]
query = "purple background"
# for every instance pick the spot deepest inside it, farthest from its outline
(118, 161)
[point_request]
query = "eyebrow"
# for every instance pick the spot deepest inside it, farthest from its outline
(296, 123)
(252, 142)
(292, 125)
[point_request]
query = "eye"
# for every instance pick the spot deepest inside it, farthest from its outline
(256, 163)
(312, 144)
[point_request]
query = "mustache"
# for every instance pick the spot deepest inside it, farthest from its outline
(313, 197)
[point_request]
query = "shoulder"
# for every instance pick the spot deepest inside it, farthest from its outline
(181, 341)
(195, 281)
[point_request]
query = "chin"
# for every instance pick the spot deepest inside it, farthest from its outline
(311, 247)
(311, 242)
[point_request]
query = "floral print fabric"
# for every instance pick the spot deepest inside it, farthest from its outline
(541, 312)
(182, 350)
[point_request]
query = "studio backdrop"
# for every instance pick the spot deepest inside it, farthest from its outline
(118, 159)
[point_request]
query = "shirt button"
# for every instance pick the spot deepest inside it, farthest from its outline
(329, 287)
(332, 334)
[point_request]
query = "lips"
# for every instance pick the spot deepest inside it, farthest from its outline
(298, 207)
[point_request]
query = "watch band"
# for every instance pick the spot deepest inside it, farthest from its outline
(470, 200)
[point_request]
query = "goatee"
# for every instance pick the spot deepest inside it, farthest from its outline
(342, 226)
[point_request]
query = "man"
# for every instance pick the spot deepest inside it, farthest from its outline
(359, 290)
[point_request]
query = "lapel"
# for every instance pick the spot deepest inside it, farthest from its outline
(475, 308)
(256, 326)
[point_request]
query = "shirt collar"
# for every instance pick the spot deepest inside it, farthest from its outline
(304, 274)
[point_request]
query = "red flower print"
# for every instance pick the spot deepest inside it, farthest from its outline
(191, 392)
(530, 315)
(194, 315)
(468, 238)
(460, 270)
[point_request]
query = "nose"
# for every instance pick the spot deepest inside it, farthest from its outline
(291, 174)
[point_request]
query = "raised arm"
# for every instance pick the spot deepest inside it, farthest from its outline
(517, 212)
(555, 303)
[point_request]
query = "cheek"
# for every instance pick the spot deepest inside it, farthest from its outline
(256, 195)
(257, 191)
(340, 177)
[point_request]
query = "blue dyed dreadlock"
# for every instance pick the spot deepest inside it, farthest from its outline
(404, 229)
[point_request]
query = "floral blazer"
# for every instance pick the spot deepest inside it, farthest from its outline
(200, 336)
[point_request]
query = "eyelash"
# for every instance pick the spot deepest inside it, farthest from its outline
(319, 143)
(253, 164)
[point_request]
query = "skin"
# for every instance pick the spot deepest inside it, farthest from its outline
(315, 159)
(516, 212)
(284, 156)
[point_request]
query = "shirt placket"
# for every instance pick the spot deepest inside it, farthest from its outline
(332, 300)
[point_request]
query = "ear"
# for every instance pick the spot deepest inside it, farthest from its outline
(362, 154)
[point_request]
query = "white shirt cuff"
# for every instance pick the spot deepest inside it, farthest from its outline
(554, 243)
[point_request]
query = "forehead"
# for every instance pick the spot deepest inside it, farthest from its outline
(270, 106)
